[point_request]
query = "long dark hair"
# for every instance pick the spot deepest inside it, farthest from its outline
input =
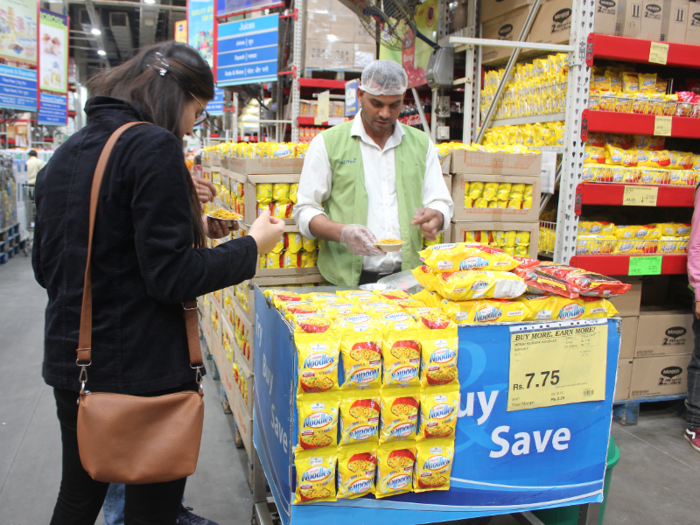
(184, 74)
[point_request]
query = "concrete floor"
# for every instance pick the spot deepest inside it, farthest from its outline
(656, 481)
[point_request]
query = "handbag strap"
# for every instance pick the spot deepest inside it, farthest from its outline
(85, 337)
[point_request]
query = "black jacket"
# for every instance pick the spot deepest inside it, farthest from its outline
(143, 264)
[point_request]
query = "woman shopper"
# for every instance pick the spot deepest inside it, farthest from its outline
(148, 258)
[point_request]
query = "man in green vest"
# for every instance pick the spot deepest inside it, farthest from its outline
(372, 179)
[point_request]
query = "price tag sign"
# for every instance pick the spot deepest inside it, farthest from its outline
(658, 53)
(663, 126)
(650, 265)
(324, 108)
(558, 366)
(640, 196)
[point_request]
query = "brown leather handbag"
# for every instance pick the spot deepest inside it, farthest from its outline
(132, 439)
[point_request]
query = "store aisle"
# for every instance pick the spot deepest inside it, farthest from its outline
(30, 462)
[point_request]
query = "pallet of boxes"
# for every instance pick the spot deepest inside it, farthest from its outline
(247, 186)
(497, 199)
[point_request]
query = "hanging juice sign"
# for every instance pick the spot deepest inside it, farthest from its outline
(18, 31)
(53, 52)
(415, 54)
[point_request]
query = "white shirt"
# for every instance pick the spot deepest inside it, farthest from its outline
(380, 183)
(34, 165)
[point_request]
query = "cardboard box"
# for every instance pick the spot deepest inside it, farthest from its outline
(652, 17)
(244, 422)
(342, 55)
(659, 376)
(490, 9)
(460, 228)
(675, 21)
(629, 18)
(263, 167)
(448, 181)
(364, 54)
(496, 163)
(250, 198)
(692, 35)
(318, 25)
(462, 213)
(628, 304)
(343, 28)
(628, 337)
(553, 23)
(506, 27)
(318, 53)
(655, 289)
(624, 379)
(664, 332)
(606, 17)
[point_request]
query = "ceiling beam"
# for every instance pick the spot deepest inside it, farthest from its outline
(117, 3)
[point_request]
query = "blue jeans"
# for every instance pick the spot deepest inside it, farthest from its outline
(113, 507)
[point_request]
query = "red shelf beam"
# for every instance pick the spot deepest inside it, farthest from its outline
(321, 83)
(612, 194)
(633, 123)
(310, 121)
(620, 264)
(634, 50)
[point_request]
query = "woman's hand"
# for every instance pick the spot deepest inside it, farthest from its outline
(267, 231)
(216, 229)
(205, 189)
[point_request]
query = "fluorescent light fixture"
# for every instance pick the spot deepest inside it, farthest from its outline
(149, 1)
(95, 31)
(101, 52)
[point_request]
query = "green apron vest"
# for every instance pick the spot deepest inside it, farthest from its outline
(347, 203)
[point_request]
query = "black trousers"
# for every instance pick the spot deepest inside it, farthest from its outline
(80, 497)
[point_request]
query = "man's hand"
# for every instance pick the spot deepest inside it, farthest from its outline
(697, 309)
(205, 189)
(360, 240)
(216, 229)
(430, 222)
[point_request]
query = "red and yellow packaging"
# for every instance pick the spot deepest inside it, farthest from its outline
(315, 475)
(360, 346)
(318, 420)
(439, 407)
(400, 348)
(357, 296)
(553, 308)
(466, 285)
(359, 416)
(399, 413)
(439, 343)
(379, 307)
(281, 296)
(434, 460)
(392, 295)
(464, 256)
(318, 353)
(357, 466)
(395, 463)
(334, 310)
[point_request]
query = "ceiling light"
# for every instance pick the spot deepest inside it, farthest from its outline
(101, 52)
(95, 31)
(149, 1)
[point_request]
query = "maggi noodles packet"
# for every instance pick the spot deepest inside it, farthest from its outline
(399, 413)
(318, 354)
(357, 465)
(357, 296)
(359, 416)
(486, 311)
(439, 407)
(395, 468)
(392, 295)
(400, 348)
(470, 284)
(318, 420)
(360, 345)
(315, 475)
(433, 465)
(553, 308)
(439, 343)
(430, 299)
(281, 296)
(337, 309)
(464, 256)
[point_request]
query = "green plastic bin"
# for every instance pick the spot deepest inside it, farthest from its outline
(569, 515)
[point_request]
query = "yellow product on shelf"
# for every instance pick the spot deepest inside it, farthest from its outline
(439, 348)
(399, 413)
(315, 475)
(556, 308)
(466, 256)
(439, 407)
(595, 244)
(360, 346)
(318, 348)
(395, 462)
(486, 311)
(400, 349)
(357, 466)
(469, 284)
(434, 460)
(359, 416)
(318, 420)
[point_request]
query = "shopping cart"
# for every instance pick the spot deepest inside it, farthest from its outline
(30, 207)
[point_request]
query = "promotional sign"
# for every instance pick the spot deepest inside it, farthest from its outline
(415, 56)
(200, 28)
(53, 52)
(352, 104)
(505, 461)
(17, 88)
(216, 106)
(53, 110)
(246, 51)
(18, 35)
(231, 7)
(181, 31)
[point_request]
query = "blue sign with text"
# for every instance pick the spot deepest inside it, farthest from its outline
(247, 52)
(505, 461)
(216, 106)
(53, 110)
(17, 88)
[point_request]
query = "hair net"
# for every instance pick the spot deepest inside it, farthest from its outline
(384, 77)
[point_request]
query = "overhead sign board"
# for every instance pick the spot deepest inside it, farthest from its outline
(53, 52)
(246, 51)
(18, 31)
(17, 88)
(53, 110)
(231, 7)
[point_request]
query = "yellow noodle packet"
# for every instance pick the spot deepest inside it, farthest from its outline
(357, 466)
(399, 418)
(434, 458)
(318, 420)
(315, 475)
(439, 407)
(318, 353)
(360, 345)
(359, 416)
(439, 344)
(400, 348)
(395, 462)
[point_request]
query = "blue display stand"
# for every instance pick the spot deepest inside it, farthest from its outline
(491, 473)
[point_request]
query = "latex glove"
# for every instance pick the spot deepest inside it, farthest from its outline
(360, 240)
